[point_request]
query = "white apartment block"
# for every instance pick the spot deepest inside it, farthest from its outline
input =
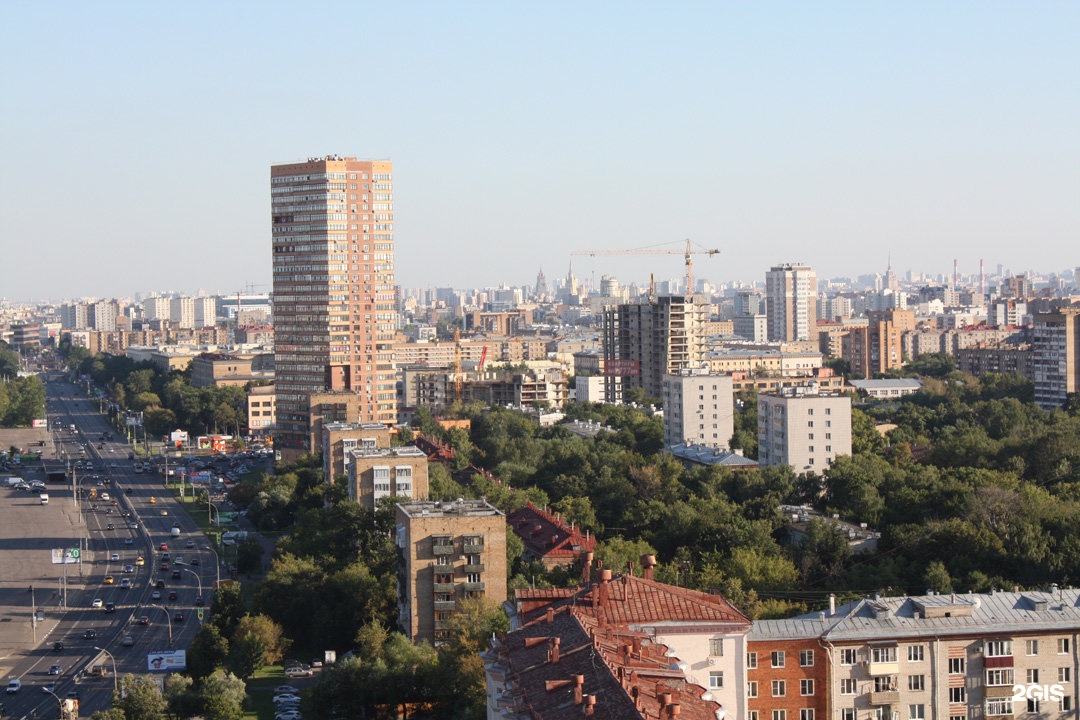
(205, 311)
(805, 431)
(156, 308)
(182, 312)
(699, 409)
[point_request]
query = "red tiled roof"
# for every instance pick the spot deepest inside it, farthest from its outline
(547, 536)
(565, 664)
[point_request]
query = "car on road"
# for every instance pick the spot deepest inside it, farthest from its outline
(156, 595)
(90, 635)
(164, 567)
(109, 580)
(128, 641)
(153, 501)
(194, 560)
(172, 595)
(128, 541)
(140, 560)
(178, 617)
(49, 688)
(96, 603)
(143, 620)
(14, 685)
(129, 568)
(175, 575)
(125, 583)
(115, 557)
(286, 690)
(163, 546)
(165, 557)
(55, 669)
(189, 544)
(298, 671)
(110, 607)
(199, 602)
(58, 646)
(289, 715)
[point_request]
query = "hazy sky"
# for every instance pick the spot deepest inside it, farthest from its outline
(137, 137)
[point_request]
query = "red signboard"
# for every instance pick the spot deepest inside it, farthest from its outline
(620, 368)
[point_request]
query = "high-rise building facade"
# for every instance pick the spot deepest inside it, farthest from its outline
(1056, 344)
(645, 341)
(803, 430)
(699, 409)
(791, 302)
(334, 312)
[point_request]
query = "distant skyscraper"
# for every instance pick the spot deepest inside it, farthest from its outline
(334, 314)
(541, 284)
(791, 302)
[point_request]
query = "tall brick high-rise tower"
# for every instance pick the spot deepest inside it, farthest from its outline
(334, 313)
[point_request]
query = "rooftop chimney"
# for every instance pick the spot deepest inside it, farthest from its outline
(579, 682)
(605, 580)
(586, 567)
(553, 650)
(648, 562)
(832, 605)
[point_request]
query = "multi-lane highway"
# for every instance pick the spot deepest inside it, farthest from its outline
(111, 536)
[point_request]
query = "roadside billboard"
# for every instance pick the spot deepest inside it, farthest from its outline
(65, 556)
(167, 660)
(621, 368)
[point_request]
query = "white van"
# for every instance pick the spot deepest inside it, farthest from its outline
(175, 531)
(44, 497)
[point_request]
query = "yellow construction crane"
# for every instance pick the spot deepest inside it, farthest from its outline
(688, 252)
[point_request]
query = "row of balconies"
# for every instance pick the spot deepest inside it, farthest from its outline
(467, 548)
(451, 587)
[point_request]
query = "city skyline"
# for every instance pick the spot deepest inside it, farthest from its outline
(836, 135)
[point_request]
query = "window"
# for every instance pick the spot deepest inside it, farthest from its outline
(779, 715)
(885, 683)
(999, 676)
(806, 714)
(915, 653)
(1002, 648)
(1063, 646)
(1033, 705)
(751, 661)
(916, 682)
(778, 658)
(999, 706)
(1064, 674)
(1033, 675)
(849, 656)
(806, 686)
(957, 694)
(752, 715)
(716, 647)
(751, 689)
(1032, 647)
(886, 654)
(1066, 702)
(847, 714)
(848, 686)
(957, 666)
(916, 712)
(806, 658)
(716, 679)
(779, 688)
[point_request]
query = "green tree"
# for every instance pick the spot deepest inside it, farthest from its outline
(181, 698)
(937, 577)
(229, 608)
(209, 650)
(222, 695)
(139, 698)
(257, 642)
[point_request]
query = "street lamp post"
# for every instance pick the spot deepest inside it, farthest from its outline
(209, 516)
(114, 680)
(217, 565)
(198, 579)
(168, 619)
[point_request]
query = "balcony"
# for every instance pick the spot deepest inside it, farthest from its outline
(445, 605)
(473, 568)
(998, 661)
(473, 587)
(443, 587)
(885, 697)
(998, 691)
(472, 548)
(883, 668)
(442, 549)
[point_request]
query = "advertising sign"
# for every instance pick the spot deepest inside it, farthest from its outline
(618, 368)
(167, 660)
(65, 556)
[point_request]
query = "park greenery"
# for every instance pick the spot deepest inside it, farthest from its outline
(22, 399)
